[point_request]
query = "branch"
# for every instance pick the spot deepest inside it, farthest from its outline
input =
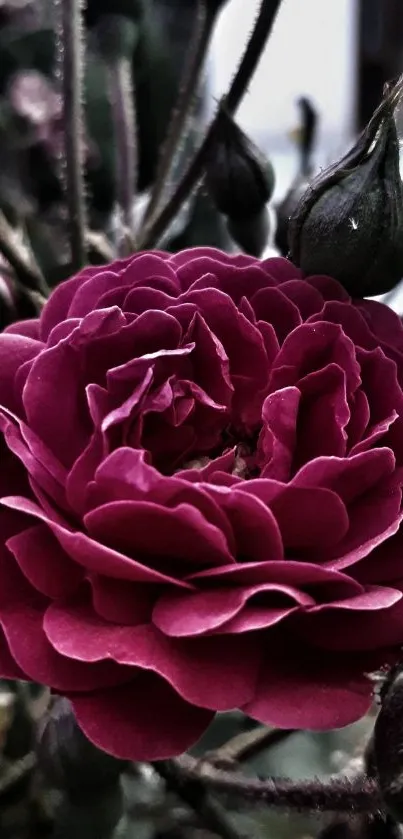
(71, 64)
(195, 795)
(262, 29)
(195, 59)
(338, 795)
(246, 745)
(99, 244)
(21, 260)
(121, 89)
(252, 55)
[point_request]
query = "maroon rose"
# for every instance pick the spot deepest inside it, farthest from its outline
(201, 493)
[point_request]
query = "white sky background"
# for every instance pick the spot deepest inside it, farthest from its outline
(311, 52)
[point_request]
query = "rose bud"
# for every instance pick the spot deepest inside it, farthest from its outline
(251, 234)
(284, 212)
(349, 223)
(387, 743)
(238, 177)
(68, 760)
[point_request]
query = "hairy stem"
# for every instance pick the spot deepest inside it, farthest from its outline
(21, 259)
(195, 795)
(262, 29)
(338, 795)
(253, 53)
(121, 91)
(71, 68)
(194, 63)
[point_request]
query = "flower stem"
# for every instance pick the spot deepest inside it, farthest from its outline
(121, 91)
(21, 259)
(71, 68)
(262, 29)
(246, 745)
(194, 63)
(253, 53)
(195, 795)
(359, 794)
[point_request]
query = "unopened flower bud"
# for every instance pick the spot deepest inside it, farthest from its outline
(284, 212)
(68, 760)
(239, 179)
(387, 744)
(251, 234)
(349, 223)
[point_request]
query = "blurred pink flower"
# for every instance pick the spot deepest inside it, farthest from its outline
(34, 97)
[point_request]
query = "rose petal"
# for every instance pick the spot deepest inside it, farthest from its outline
(14, 351)
(217, 673)
(128, 723)
(44, 563)
(91, 554)
(314, 691)
(198, 613)
(373, 620)
(178, 538)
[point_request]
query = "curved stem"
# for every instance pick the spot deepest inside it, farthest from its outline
(246, 745)
(194, 63)
(262, 29)
(196, 796)
(152, 234)
(71, 64)
(253, 53)
(121, 90)
(338, 795)
(21, 260)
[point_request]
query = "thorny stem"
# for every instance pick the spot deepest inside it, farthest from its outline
(71, 66)
(253, 53)
(359, 794)
(99, 244)
(262, 29)
(194, 63)
(121, 91)
(196, 796)
(24, 264)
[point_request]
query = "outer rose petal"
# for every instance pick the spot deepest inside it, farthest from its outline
(14, 351)
(52, 573)
(22, 611)
(217, 673)
(8, 667)
(147, 719)
(307, 690)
